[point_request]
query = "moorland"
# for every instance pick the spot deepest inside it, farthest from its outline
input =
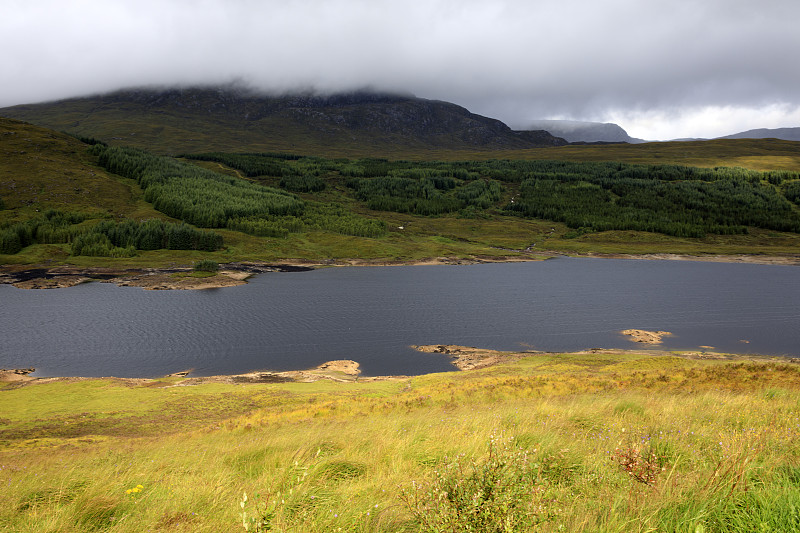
(640, 440)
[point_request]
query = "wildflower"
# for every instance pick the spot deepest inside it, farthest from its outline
(134, 490)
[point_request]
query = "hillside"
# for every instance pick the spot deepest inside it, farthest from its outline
(580, 131)
(235, 119)
(42, 169)
(63, 202)
(786, 134)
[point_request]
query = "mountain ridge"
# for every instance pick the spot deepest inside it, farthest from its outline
(786, 134)
(578, 131)
(175, 120)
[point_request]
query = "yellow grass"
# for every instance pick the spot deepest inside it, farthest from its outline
(327, 455)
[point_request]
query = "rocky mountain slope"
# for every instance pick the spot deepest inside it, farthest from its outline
(173, 120)
(579, 131)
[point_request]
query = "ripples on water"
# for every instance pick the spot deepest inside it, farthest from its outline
(282, 321)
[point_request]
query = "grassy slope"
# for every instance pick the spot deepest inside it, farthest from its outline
(339, 455)
(42, 169)
(757, 154)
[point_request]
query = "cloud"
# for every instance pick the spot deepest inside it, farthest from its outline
(705, 121)
(515, 60)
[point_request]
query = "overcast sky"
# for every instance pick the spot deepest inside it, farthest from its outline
(661, 69)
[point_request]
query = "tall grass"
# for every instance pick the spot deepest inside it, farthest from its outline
(521, 447)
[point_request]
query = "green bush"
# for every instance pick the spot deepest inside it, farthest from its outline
(307, 183)
(503, 492)
(206, 265)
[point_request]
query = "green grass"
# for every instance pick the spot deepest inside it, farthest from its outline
(570, 442)
(756, 154)
(41, 169)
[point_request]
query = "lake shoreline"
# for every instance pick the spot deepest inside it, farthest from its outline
(463, 359)
(234, 274)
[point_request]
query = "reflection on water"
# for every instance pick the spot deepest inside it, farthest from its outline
(282, 321)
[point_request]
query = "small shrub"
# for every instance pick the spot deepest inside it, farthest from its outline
(206, 265)
(642, 465)
(503, 492)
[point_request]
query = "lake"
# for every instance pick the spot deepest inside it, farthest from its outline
(289, 321)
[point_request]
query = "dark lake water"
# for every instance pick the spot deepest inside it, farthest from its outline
(284, 321)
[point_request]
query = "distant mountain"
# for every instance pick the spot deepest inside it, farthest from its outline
(787, 134)
(576, 131)
(175, 120)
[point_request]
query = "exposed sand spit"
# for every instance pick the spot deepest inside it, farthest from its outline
(644, 336)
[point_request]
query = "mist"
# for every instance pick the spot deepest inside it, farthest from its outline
(661, 70)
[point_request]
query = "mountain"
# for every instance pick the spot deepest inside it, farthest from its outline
(787, 134)
(576, 131)
(175, 120)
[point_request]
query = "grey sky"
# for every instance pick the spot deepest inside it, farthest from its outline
(660, 69)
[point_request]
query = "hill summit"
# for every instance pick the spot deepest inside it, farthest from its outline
(174, 120)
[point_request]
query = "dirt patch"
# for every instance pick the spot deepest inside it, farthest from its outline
(644, 336)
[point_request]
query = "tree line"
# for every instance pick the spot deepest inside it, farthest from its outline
(687, 208)
(204, 198)
(105, 238)
(593, 196)
(195, 195)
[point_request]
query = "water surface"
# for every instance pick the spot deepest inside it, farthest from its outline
(285, 321)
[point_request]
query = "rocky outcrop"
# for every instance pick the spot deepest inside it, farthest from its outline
(644, 336)
(16, 374)
(470, 358)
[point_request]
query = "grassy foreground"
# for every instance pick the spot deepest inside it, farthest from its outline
(606, 441)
